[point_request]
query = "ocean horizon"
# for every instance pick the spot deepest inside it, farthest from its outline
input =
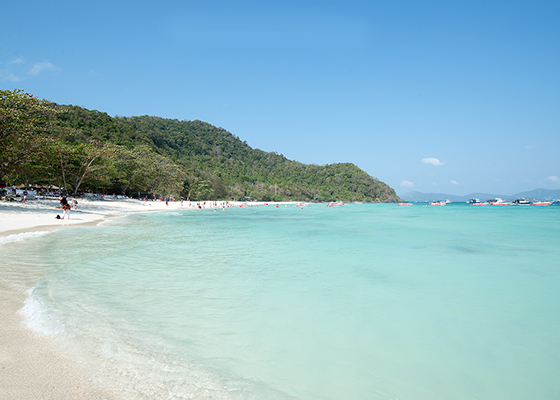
(369, 301)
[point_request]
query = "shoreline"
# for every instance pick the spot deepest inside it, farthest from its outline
(40, 215)
(32, 366)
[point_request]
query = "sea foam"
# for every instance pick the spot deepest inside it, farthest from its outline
(21, 236)
(39, 317)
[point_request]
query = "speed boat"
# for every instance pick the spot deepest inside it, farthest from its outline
(542, 203)
(500, 202)
(521, 202)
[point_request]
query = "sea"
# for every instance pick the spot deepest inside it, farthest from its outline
(368, 301)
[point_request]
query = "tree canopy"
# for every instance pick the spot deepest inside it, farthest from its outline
(69, 146)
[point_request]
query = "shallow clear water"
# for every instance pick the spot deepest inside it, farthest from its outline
(352, 302)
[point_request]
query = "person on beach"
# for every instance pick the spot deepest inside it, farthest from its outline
(75, 204)
(66, 211)
(65, 207)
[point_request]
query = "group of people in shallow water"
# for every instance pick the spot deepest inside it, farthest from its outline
(66, 207)
(209, 204)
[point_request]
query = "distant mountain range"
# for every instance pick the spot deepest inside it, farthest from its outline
(537, 194)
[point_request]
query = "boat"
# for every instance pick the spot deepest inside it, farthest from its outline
(302, 204)
(437, 203)
(337, 204)
(521, 202)
(499, 202)
(404, 204)
(477, 202)
(542, 203)
(358, 202)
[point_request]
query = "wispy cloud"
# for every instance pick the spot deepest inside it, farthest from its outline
(7, 70)
(432, 161)
(6, 75)
(40, 67)
(18, 70)
(554, 179)
(532, 146)
(454, 182)
(407, 184)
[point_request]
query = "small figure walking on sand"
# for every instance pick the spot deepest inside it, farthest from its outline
(75, 204)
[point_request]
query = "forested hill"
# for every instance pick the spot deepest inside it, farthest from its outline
(196, 160)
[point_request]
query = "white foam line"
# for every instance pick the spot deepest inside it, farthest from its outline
(36, 318)
(21, 236)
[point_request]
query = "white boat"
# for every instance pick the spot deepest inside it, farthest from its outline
(542, 203)
(404, 204)
(521, 202)
(437, 203)
(477, 202)
(500, 202)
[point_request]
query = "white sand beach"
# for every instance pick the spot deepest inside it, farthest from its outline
(36, 215)
(31, 366)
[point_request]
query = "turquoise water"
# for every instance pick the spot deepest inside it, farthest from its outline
(353, 302)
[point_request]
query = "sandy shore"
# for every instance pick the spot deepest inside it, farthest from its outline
(31, 366)
(38, 215)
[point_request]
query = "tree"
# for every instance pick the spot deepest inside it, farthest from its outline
(83, 162)
(159, 174)
(23, 121)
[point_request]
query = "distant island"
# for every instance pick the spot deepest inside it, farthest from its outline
(537, 194)
(44, 144)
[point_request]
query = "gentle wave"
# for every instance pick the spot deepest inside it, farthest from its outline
(21, 236)
(41, 317)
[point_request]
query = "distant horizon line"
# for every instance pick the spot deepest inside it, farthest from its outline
(535, 194)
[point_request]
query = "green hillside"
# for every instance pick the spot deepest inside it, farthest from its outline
(89, 150)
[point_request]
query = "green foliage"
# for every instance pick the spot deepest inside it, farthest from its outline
(23, 118)
(189, 158)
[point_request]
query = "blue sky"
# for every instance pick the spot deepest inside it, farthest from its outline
(434, 96)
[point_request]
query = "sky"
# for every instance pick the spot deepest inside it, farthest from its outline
(450, 97)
